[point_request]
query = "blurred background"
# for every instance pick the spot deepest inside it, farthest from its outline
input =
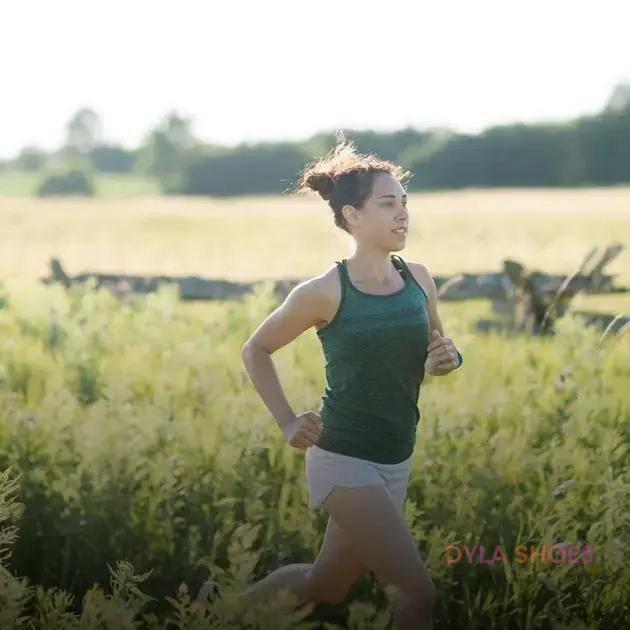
(148, 155)
(162, 120)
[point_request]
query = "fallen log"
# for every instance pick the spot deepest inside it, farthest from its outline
(621, 323)
(529, 300)
(496, 286)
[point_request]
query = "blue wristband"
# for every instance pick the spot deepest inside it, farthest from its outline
(461, 358)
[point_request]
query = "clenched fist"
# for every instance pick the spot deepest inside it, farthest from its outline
(442, 355)
(304, 430)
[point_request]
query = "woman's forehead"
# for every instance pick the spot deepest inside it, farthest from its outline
(387, 185)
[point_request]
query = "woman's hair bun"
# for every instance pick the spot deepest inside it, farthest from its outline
(322, 183)
(345, 177)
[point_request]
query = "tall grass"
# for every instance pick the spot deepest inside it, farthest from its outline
(139, 456)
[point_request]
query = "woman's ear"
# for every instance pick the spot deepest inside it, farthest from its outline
(350, 214)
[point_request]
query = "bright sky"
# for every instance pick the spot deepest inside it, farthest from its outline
(287, 69)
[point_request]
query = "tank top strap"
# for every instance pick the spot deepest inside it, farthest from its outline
(341, 266)
(343, 275)
(397, 261)
(409, 275)
(400, 264)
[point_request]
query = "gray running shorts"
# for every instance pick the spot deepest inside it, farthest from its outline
(325, 469)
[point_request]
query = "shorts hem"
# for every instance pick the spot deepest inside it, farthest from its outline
(320, 502)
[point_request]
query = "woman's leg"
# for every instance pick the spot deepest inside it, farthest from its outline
(375, 528)
(327, 579)
(336, 568)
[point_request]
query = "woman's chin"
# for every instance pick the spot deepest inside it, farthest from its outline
(399, 244)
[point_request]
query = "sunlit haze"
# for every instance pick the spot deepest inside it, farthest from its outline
(285, 70)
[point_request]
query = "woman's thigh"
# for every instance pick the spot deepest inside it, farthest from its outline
(376, 531)
(337, 566)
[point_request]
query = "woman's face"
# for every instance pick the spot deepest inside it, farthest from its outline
(383, 212)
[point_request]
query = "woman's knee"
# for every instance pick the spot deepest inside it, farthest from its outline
(326, 591)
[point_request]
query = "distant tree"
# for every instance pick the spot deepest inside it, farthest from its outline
(112, 158)
(506, 155)
(30, 159)
(166, 151)
(619, 99)
(262, 168)
(69, 183)
(604, 143)
(83, 131)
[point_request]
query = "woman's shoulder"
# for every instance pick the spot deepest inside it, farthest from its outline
(320, 294)
(322, 290)
(328, 283)
(421, 274)
(415, 266)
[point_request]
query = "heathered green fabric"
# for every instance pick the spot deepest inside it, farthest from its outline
(375, 348)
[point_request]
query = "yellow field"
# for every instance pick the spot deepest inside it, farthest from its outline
(139, 436)
(283, 236)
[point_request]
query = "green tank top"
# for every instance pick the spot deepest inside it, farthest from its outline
(375, 347)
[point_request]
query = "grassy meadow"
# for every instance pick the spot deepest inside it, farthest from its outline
(16, 183)
(137, 456)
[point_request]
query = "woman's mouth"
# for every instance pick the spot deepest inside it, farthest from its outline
(400, 230)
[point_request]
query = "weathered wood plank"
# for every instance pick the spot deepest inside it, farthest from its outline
(492, 285)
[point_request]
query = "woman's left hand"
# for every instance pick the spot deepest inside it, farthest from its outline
(442, 355)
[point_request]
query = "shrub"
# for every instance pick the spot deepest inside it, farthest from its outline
(72, 182)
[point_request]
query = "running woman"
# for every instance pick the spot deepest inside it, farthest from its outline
(377, 318)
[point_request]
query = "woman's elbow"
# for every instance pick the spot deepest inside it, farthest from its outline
(250, 350)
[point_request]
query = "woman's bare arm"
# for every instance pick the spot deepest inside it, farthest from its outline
(302, 308)
(442, 345)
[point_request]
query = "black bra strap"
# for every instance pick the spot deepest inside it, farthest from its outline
(342, 275)
(399, 263)
(342, 268)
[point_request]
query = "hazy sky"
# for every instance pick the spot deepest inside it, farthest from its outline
(287, 69)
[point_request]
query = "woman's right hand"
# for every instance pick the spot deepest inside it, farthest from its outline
(304, 430)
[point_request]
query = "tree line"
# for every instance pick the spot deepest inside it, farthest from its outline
(589, 150)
